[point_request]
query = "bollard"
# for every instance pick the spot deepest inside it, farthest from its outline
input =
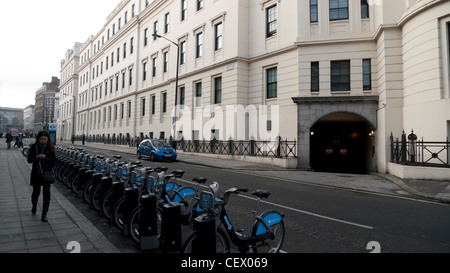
(105, 186)
(171, 228)
(148, 229)
(118, 189)
(131, 202)
(205, 226)
(205, 241)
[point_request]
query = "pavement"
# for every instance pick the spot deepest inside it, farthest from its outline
(23, 232)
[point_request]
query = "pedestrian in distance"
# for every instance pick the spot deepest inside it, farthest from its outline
(9, 140)
(42, 156)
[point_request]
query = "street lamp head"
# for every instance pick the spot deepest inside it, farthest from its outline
(156, 35)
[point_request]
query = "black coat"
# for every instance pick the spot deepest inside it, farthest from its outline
(48, 163)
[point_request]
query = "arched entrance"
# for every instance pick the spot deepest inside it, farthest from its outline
(339, 127)
(341, 142)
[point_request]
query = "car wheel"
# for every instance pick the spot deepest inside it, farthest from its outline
(152, 157)
(139, 155)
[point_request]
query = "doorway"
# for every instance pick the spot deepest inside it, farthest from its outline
(340, 146)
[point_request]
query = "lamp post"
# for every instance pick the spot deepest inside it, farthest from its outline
(174, 119)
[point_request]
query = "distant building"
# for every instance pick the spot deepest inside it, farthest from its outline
(10, 118)
(68, 93)
(45, 104)
(28, 119)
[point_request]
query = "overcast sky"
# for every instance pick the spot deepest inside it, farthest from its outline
(34, 37)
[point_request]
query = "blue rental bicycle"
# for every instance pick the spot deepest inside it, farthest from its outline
(266, 234)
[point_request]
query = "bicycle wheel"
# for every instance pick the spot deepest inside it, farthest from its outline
(74, 183)
(222, 242)
(272, 244)
(105, 204)
(95, 197)
(87, 192)
(133, 223)
(118, 213)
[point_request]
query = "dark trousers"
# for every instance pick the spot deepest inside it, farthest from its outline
(46, 193)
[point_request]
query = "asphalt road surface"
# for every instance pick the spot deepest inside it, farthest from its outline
(317, 219)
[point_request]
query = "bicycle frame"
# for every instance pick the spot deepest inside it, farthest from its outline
(244, 242)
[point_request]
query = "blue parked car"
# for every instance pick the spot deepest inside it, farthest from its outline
(156, 149)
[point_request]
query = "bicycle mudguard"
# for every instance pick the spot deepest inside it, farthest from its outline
(183, 193)
(270, 218)
(172, 186)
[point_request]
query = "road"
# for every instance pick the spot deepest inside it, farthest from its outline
(325, 219)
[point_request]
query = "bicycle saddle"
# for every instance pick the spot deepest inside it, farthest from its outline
(178, 173)
(200, 180)
(261, 193)
(161, 169)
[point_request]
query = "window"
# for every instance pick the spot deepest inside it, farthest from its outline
(130, 80)
(117, 82)
(153, 104)
(166, 62)
(218, 30)
(367, 74)
(118, 54)
(164, 102)
(124, 50)
(112, 59)
(143, 107)
(129, 109)
(182, 96)
(199, 45)
(122, 111)
(131, 45)
(183, 52)
(315, 85)
(183, 10)
(154, 61)
(340, 76)
(199, 4)
(145, 36)
(144, 69)
(272, 82)
(338, 9)
(198, 94)
(123, 79)
(155, 30)
(313, 11)
(166, 23)
(271, 21)
(218, 90)
(364, 9)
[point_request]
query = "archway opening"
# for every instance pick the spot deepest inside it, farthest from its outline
(341, 143)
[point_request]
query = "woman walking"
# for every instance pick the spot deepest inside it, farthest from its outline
(42, 156)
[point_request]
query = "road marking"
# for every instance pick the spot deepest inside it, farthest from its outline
(294, 209)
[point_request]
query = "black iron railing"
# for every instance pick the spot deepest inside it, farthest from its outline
(279, 148)
(410, 151)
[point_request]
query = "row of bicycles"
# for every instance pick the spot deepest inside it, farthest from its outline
(105, 183)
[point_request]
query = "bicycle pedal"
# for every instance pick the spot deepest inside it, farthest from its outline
(240, 230)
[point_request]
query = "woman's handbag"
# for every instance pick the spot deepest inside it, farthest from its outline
(46, 176)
